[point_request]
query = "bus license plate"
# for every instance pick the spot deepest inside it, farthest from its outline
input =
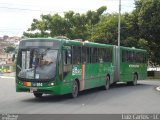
(33, 89)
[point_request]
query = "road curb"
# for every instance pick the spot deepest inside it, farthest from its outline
(158, 88)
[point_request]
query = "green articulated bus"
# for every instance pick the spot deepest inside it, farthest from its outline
(59, 66)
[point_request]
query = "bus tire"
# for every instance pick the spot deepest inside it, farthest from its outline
(38, 95)
(107, 83)
(75, 89)
(134, 82)
(135, 78)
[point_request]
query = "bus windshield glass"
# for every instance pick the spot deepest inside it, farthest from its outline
(37, 63)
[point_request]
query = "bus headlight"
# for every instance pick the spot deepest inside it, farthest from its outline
(51, 84)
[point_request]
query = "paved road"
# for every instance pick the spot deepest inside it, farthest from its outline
(121, 98)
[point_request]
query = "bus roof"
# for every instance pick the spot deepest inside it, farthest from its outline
(70, 42)
(133, 49)
(85, 43)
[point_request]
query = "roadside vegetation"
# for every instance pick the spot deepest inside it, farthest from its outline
(139, 29)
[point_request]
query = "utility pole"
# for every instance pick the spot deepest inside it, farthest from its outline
(119, 38)
(119, 24)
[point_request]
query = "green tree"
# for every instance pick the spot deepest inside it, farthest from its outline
(9, 49)
(106, 31)
(149, 26)
(72, 25)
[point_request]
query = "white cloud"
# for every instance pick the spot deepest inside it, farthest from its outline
(16, 16)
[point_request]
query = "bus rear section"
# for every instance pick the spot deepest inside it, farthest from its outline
(133, 65)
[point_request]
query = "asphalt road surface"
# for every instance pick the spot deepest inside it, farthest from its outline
(120, 98)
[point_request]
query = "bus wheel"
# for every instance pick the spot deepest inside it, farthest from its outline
(107, 83)
(38, 95)
(134, 82)
(75, 90)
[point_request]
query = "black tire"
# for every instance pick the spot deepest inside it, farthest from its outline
(38, 95)
(75, 89)
(134, 82)
(107, 83)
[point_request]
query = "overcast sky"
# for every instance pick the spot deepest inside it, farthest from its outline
(16, 15)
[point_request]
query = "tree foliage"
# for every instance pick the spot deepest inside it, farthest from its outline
(149, 26)
(72, 25)
(9, 49)
(139, 29)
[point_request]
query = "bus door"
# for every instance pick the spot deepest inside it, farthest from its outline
(67, 62)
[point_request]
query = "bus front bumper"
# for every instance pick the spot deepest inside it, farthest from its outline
(46, 90)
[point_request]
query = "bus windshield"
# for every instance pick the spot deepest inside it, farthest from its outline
(37, 63)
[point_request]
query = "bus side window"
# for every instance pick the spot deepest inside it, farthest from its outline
(128, 56)
(132, 56)
(76, 54)
(109, 54)
(125, 56)
(100, 55)
(139, 57)
(85, 55)
(94, 55)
